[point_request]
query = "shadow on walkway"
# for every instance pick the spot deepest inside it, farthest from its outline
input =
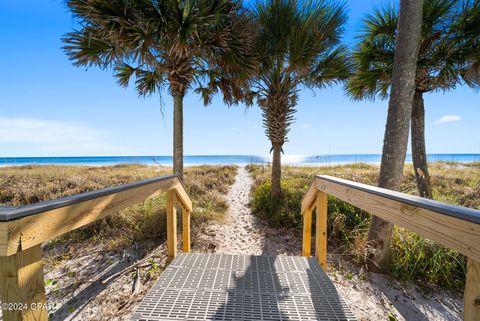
(257, 294)
(282, 288)
(325, 299)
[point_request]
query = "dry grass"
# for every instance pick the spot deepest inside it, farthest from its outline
(451, 182)
(30, 184)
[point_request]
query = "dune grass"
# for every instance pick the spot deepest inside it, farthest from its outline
(412, 257)
(30, 184)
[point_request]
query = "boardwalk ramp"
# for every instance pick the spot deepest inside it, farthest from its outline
(242, 287)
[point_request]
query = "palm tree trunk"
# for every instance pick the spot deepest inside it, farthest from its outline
(419, 154)
(276, 172)
(398, 121)
(178, 135)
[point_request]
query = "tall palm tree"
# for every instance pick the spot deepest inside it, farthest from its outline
(395, 140)
(199, 44)
(298, 45)
(449, 45)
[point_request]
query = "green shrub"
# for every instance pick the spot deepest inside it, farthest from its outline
(342, 221)
(345, 222)
(284, 212)
(413, 257)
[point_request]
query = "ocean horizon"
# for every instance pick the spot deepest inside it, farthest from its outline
(299, 160)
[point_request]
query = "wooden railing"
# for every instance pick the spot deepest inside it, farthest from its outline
(453, 226)
(23, 229)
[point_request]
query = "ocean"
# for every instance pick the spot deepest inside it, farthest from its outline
(299, 160)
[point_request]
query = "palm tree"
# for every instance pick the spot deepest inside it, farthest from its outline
(395, 141)
(298, 45)
(469, 29)
(205, 44)
(448, 46)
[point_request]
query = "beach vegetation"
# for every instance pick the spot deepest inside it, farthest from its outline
(410, 256)
(206, 185)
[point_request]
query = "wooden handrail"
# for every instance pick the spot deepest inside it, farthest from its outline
(453, 226)
(23, 229)
(9, 213)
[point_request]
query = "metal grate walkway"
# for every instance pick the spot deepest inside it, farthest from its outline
(242, 287)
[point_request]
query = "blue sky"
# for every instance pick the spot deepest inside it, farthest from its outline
(50, 108)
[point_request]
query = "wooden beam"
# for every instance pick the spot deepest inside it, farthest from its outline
(35, 229)
(22, 287)
(186, 230)
(321, 229)
(171, 224)
(307, 232)
(456, 233)
(471, 298)
(183, 198)
(309, 197)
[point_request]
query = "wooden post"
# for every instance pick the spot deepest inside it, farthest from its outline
(22, 287)
(307, 232)
(321, 229)
(186, 230)
(171, 224)
(471, 298)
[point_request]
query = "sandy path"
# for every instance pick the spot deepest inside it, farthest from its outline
(244, 233)
(239, 233)
(371, 297)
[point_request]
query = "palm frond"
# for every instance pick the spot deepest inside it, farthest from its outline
(382, 22)
(447, 49)
(124, 72)
(158, 41)
(334, 67)
(148, 81)
(88, 48)
(298, 44)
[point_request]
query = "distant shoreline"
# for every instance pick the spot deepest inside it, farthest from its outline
(292, 160)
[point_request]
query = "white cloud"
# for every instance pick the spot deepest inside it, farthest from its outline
(448, 119)
(305, 126)
(53, 137)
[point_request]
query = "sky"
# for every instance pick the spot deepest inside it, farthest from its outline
(48, 107)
